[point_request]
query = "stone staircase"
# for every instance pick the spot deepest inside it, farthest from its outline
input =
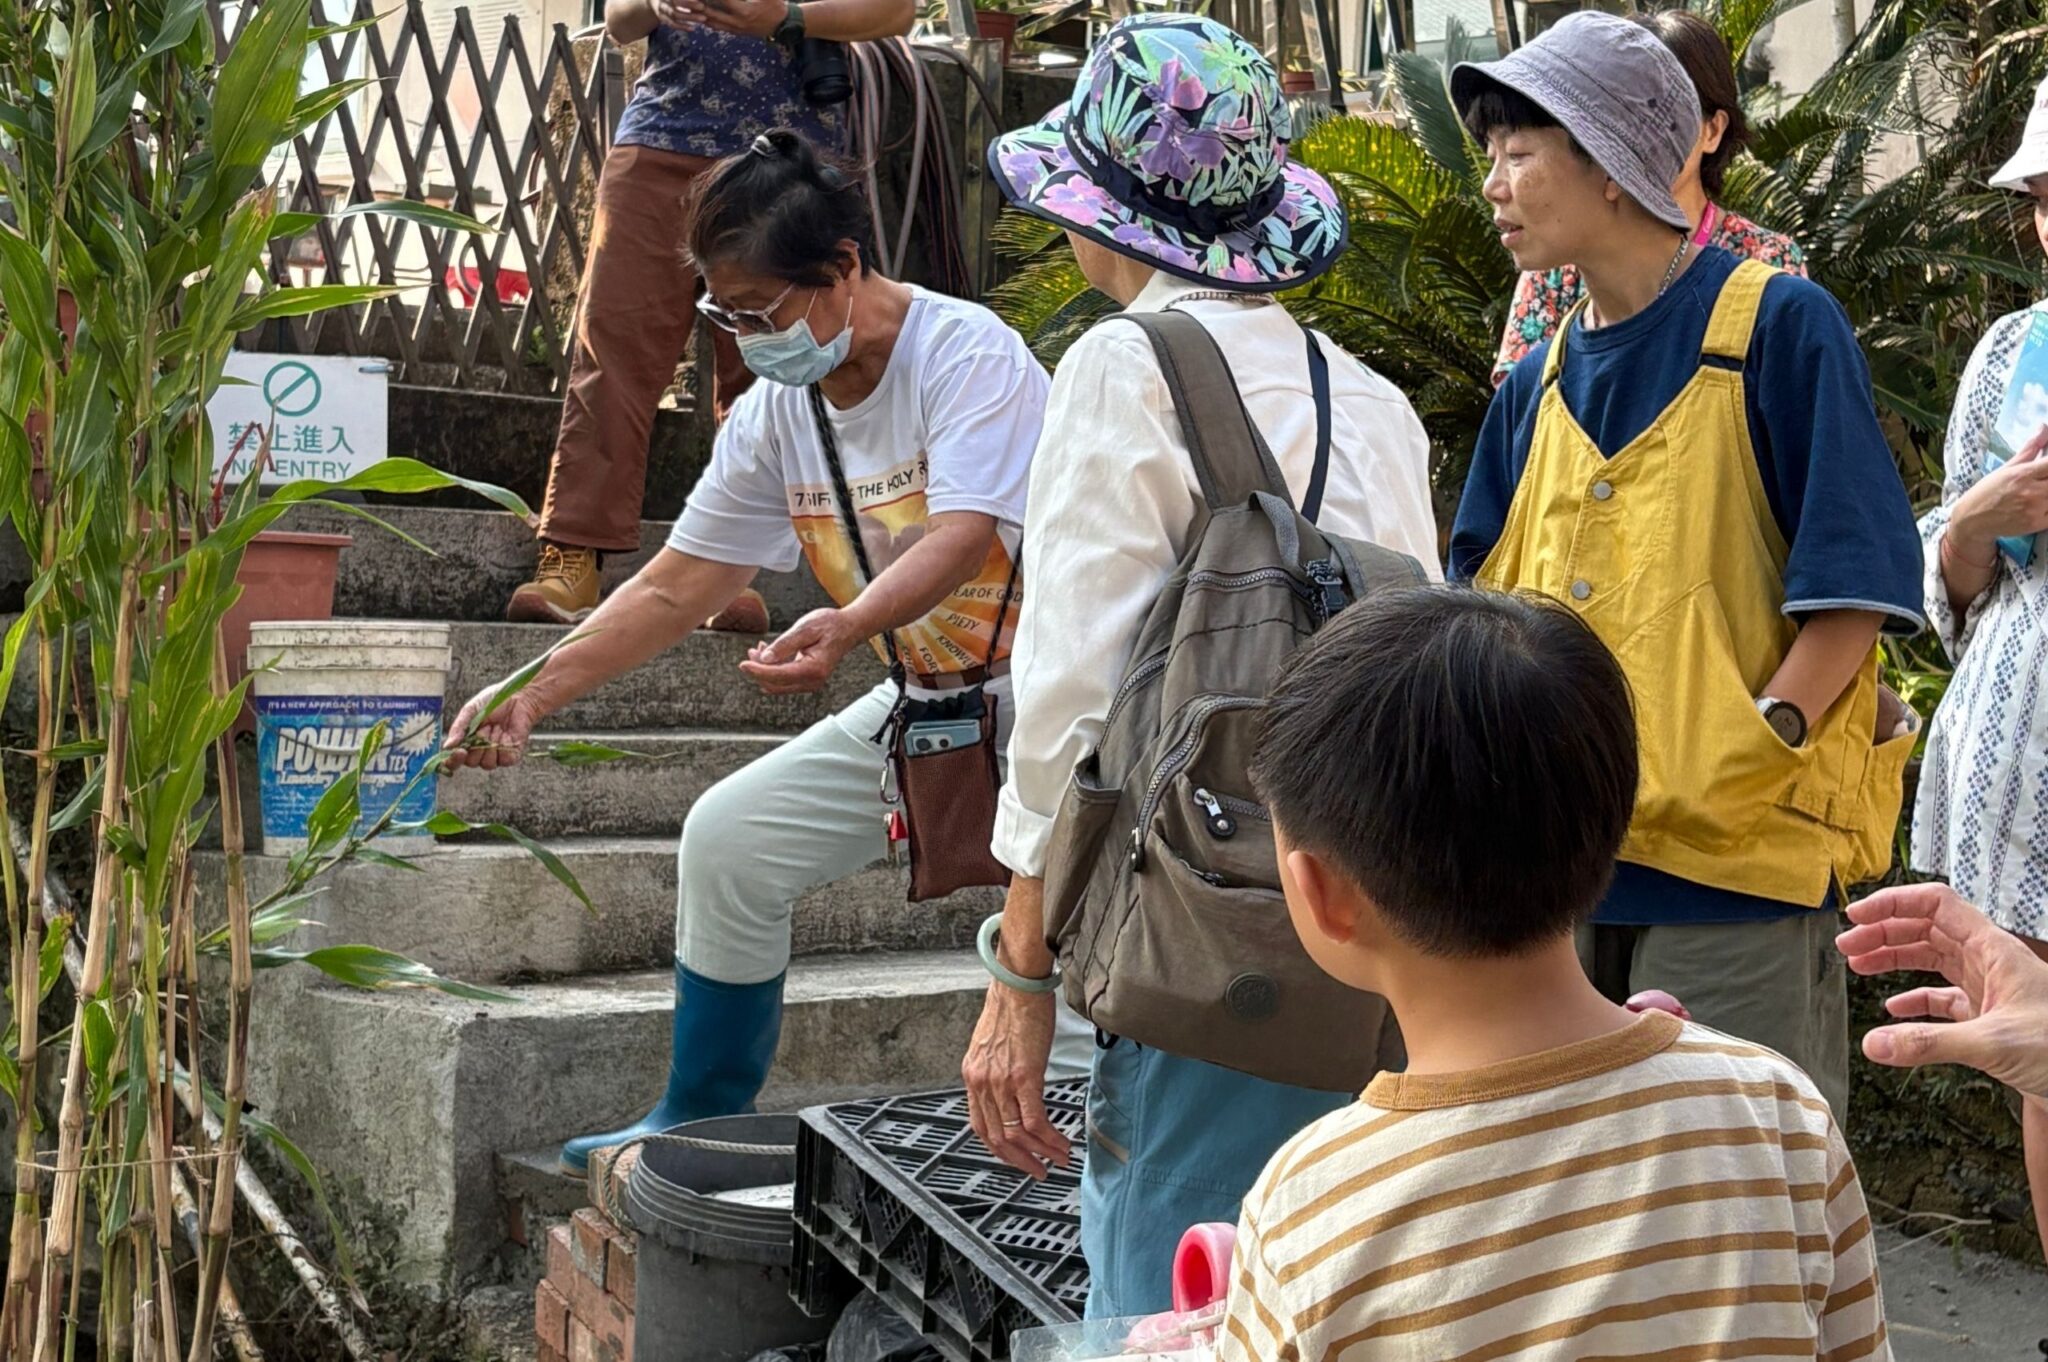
(447, 1112)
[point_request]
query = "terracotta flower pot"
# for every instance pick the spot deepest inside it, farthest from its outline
(1000, 26)
(284, 576)
(1295, 81)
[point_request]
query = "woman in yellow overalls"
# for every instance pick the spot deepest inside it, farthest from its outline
(1695, 465)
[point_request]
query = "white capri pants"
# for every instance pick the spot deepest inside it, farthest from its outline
(808, 813)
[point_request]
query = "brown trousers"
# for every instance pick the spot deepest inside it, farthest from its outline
(634, 317)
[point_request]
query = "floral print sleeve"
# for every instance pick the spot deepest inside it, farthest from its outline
(1540, 303)
(1744, 240)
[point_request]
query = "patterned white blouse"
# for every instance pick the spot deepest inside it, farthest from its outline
(1981, 818)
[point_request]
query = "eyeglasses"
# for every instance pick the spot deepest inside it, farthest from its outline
(739, 320)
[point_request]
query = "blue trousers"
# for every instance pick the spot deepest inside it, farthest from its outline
(1172, 1142)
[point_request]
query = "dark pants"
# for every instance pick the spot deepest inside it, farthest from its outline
(634, 316)
(1780, 984)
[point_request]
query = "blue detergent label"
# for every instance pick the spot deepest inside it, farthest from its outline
(306, 742)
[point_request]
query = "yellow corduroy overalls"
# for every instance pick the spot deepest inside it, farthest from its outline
(1669, 551)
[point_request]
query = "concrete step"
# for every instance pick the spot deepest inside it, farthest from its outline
(491, 912)
(412, 1095)
(508, 440)
(695, 685)
(645, 795)
(479, 558)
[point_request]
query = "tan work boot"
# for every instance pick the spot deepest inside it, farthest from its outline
(562, 591)
(748, 614)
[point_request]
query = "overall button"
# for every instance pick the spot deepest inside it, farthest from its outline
(1602, 490)
(1581, 589)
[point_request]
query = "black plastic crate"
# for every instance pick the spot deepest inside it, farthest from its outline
(900, 1193)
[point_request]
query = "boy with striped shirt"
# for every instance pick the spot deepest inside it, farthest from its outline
(1450, 773)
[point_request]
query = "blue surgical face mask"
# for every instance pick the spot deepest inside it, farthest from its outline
(793, 356)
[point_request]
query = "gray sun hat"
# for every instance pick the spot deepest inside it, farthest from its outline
(1615, 88)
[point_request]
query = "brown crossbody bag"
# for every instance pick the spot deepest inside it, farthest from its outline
(947, 788)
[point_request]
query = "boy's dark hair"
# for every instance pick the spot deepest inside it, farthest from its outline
(1467, 758)
(780, 208)
(1496, 108)
(1703, 52)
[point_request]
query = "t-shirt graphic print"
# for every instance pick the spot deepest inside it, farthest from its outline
(891, 509)
(951, 426)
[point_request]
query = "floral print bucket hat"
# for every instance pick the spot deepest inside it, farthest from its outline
(1173, 150)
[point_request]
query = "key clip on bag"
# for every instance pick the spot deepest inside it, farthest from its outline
(942, 762)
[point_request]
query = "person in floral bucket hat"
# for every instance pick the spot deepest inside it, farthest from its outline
(1169, 171)
(1173, 151)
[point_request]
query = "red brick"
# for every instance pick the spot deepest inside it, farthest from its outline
(551, 1317)
(587, 1244)
(547, 1354)
(515, 1222)
(586, 1299)
(561, 1264)
(621, 1270)
(582, 1343)
(613, 1327)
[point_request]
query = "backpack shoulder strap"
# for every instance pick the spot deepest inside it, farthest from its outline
(1230, 456)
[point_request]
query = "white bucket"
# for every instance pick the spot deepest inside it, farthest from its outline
(318, 687)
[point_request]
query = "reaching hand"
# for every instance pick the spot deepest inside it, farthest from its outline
(1997, 1009)
(501, 740)
(802, 659)
(1005, 1075)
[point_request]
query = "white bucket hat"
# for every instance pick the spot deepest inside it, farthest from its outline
(2032, 157)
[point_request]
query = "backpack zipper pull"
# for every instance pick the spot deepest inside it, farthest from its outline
(1138, 848)
(1325, 575)
(1221, 824)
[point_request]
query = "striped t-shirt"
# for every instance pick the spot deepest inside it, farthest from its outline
(1664, 1192)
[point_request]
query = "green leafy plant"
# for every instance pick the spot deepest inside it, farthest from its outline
(134, 216)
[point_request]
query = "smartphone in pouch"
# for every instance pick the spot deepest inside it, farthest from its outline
(927, 737)
(2024, 414)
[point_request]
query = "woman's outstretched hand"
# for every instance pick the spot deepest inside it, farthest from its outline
(1994, 1015)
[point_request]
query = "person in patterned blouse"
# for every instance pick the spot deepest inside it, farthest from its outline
(1980, 820)
(718, 74)
(1543, 299)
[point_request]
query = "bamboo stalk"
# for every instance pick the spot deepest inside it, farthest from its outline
(220, 1225)
(254, 1193)
(61, 1241)
(231, 1317)
(257, 1198)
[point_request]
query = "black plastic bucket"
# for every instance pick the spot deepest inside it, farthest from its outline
(713, 1276)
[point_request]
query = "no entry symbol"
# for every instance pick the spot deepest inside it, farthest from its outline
(291, 388)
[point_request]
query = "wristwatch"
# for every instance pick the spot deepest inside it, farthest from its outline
(790, 31)
(1786, 720)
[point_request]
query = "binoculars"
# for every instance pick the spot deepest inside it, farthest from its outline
(821, 70)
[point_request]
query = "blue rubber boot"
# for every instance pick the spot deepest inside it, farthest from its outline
(724, 1039)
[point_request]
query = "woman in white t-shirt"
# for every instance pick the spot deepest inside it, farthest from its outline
(934, 407)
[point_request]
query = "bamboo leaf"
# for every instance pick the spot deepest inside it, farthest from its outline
(298, 302)
(179, 17)
(312, 108)
(269, 923)
(25, 292)
(420, 214)
(252, 99)
(372, 856)
(294, 224)
(98, 1042)
(577, 753)
(122, 841)
(80, 88)
(372, 967)
(546, 857)
(50, 965)
(83, 804)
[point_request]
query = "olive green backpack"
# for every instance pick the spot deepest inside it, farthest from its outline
(1162, 891)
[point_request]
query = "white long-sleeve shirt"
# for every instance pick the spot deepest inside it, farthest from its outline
(1113, 496)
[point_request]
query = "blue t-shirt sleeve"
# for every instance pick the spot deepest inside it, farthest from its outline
(1497, 462)
(1827, 468)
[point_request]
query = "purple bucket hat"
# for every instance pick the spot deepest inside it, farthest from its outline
(1173, 151)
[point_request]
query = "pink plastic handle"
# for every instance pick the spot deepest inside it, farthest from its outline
(1657, 1000)
(1201, 1265)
